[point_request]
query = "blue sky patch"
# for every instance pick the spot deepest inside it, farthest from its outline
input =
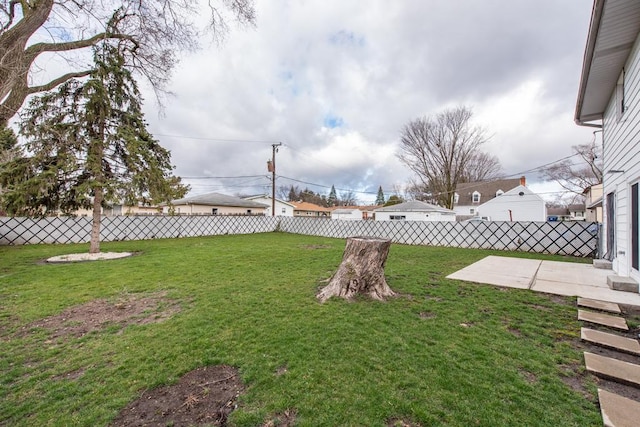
(332, 121)
(346, 38)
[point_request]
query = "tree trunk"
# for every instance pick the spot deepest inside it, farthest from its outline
(94, 248)
(361, 270)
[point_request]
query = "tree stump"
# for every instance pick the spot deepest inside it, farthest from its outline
(361, 270)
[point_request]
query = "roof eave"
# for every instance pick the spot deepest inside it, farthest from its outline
(594, 26)
(613, 30)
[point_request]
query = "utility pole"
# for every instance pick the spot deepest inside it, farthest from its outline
(271, 167)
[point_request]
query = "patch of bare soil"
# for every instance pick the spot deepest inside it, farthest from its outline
(98, 314)
(204, 396)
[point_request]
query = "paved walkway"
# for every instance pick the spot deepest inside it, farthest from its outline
(553, 277)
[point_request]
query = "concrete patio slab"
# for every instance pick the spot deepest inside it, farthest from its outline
(560, 278)
(613, 369)
(599, 305)
(618, 411)
(493, 270)
(612, 341)
(568, 272)
(603, 319)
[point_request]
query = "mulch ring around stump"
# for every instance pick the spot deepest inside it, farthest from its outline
(204, 396)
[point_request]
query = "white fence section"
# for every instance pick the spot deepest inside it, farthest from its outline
(20, 230)
(561, 238)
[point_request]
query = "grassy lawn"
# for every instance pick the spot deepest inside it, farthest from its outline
(444, 353)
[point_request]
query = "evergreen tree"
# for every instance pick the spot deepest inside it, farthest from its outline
(394, 200)
(380, 197)
(333, 197)
(90, 147)
(293, 194)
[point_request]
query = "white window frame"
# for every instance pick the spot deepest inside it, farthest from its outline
(397, 217)
(474, 196)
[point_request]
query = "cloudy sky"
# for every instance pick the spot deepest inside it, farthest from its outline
(335, 81)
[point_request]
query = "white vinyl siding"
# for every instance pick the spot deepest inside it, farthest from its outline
(621, 157)
(415, 216)
(511, 206)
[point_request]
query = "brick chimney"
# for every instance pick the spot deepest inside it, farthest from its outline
(523, 181)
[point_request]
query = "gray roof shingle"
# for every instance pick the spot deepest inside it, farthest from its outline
(487, 190)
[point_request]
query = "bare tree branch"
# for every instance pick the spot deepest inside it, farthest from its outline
(439, 150)
(576, 177)
(155, 31)
(57, 81)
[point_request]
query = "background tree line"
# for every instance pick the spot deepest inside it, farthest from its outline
(294, 193)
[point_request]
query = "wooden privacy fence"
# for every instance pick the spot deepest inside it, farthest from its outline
(561, 238)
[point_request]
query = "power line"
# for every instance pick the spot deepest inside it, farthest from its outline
(216, 139)
(223, 177)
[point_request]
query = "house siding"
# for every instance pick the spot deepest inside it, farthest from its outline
(512, 207)
(194, 209)
(352, 215)
(621, 139)
(288, 209)
(416, 216)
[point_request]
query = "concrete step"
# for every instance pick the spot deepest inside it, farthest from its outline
(603, 319)
(599, 305)
(612, 341)
(603, 264)
(613, 369)
(622, 283)
(618, 411)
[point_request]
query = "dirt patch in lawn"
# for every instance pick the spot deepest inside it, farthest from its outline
(128, 309)
(205, 396)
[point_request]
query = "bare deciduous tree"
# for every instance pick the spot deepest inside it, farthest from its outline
(348, 198)
(482, 167)
(440, 149)
(155, 30)
(576, 176)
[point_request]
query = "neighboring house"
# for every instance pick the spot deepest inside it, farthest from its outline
(139, 209)
(608, 99)
(307, 209)
(593, 203)
(517, 204)
(348, 214)
(215, 204)
(414, 211)
(558, 214)
(570, 213)
(499, 200)
(368, 211)
(282, 208)
(470, 195)
(577, 212)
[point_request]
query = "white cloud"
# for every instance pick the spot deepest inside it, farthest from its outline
(336, 80)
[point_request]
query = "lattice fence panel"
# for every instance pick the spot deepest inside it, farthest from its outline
(562, 238)
(20, 231)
